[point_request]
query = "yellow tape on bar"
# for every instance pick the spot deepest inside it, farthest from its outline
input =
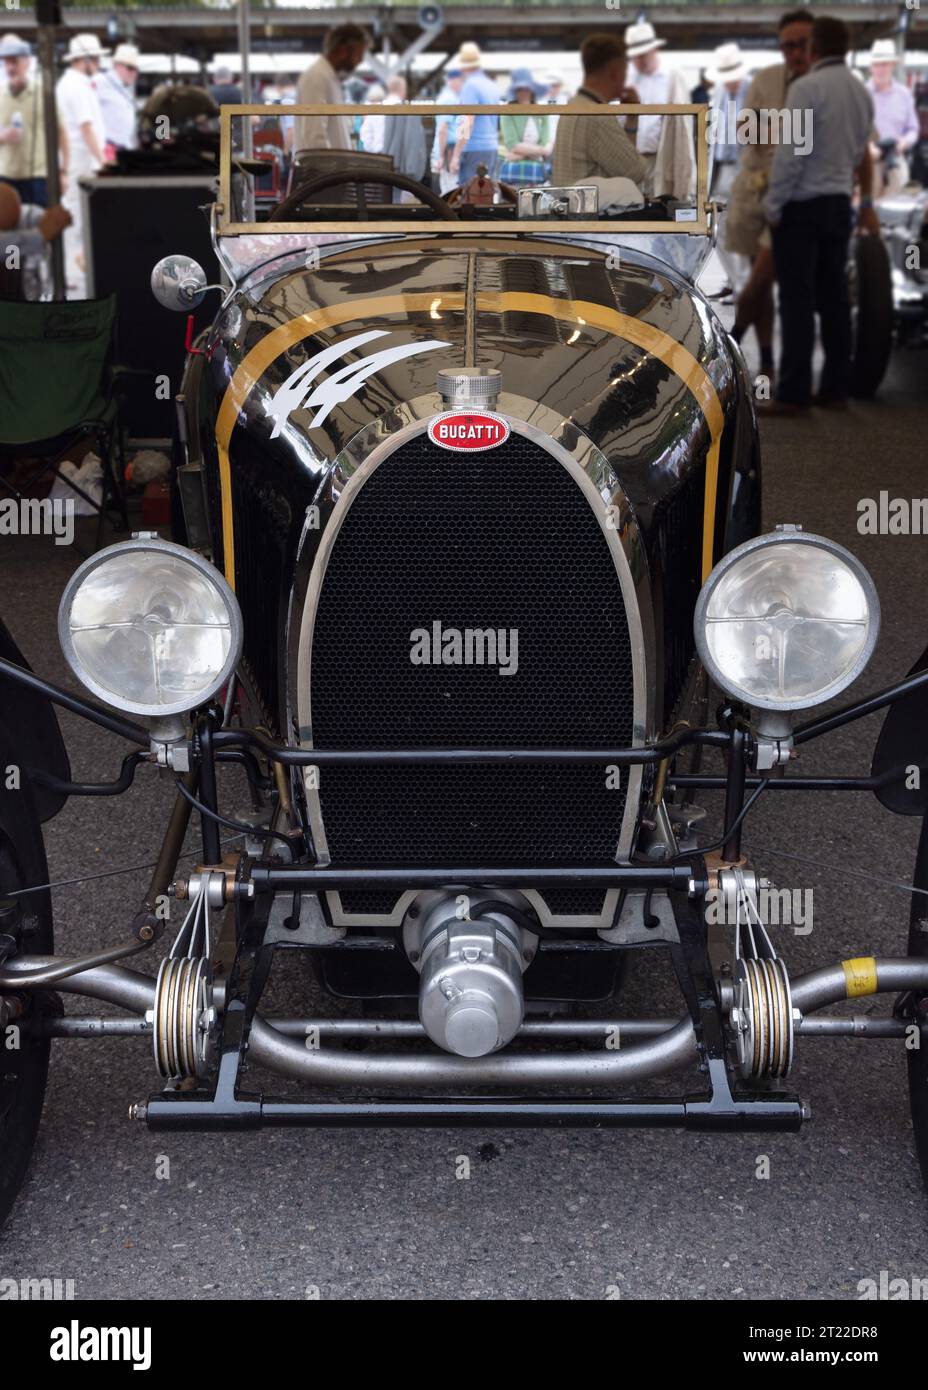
(860, 974)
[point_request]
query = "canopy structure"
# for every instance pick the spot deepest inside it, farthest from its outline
(532, 30)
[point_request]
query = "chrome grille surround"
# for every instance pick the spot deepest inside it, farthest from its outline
(592, 473)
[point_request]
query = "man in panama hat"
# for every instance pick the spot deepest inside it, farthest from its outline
(728, 74)
(894, 117)
(478, 136)
(116, 94)
(666, 145)
(80, 114)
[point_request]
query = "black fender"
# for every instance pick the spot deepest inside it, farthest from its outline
(739, 516)
(903, 742)
(32, 737)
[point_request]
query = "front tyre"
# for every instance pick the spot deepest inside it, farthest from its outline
(23, 1055)
(918, 1056)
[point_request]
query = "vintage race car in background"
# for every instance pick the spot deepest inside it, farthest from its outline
(889, 287)
(467, 528)
(904, 224)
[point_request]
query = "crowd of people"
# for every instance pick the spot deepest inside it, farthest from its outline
(519, 149)
(515, 148)
(96, 111)
(793, 200)
(787, 201)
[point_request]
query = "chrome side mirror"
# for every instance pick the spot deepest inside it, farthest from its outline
(179, 282)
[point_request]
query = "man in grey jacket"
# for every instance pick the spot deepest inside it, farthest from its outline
(808, 206)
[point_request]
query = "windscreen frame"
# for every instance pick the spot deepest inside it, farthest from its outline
(700, 225)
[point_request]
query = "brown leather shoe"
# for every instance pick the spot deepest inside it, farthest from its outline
(767, 409)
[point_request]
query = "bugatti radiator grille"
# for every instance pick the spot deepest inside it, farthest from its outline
(504, 541)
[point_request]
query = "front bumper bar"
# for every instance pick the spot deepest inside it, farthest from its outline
(758, 1113)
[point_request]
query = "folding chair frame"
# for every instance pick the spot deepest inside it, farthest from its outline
(106, 434)
(104, 428)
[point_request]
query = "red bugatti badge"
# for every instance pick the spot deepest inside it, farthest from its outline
(468, 430)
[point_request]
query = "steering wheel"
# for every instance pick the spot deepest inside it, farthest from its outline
(359, 177)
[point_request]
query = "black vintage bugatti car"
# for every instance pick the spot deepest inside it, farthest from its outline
(466, 536)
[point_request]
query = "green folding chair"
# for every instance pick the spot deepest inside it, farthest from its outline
(57, 388)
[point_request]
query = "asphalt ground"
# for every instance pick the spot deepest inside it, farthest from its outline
(544, 1214)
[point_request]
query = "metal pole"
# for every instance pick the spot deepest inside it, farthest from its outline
(45, 55)
(244, 48)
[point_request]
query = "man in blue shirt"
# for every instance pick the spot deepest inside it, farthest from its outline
(478, 136)
(808, 206)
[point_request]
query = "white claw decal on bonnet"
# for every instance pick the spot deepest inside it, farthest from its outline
(296, 392)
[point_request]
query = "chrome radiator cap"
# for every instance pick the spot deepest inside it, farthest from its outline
(470, 386)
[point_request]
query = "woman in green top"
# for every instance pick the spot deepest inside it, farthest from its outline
(526, 141)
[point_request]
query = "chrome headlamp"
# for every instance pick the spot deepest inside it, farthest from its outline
(150, 627)
(787, 620)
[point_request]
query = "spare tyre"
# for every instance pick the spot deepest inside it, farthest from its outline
(872, 310)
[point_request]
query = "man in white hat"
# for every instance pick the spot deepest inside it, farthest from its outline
(665, 144)
(478, 136)
(116, 94)
(22, 125)
(728, 74)
(80, 114)
(894, 117)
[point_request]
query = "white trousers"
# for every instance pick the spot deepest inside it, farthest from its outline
(74, 267)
